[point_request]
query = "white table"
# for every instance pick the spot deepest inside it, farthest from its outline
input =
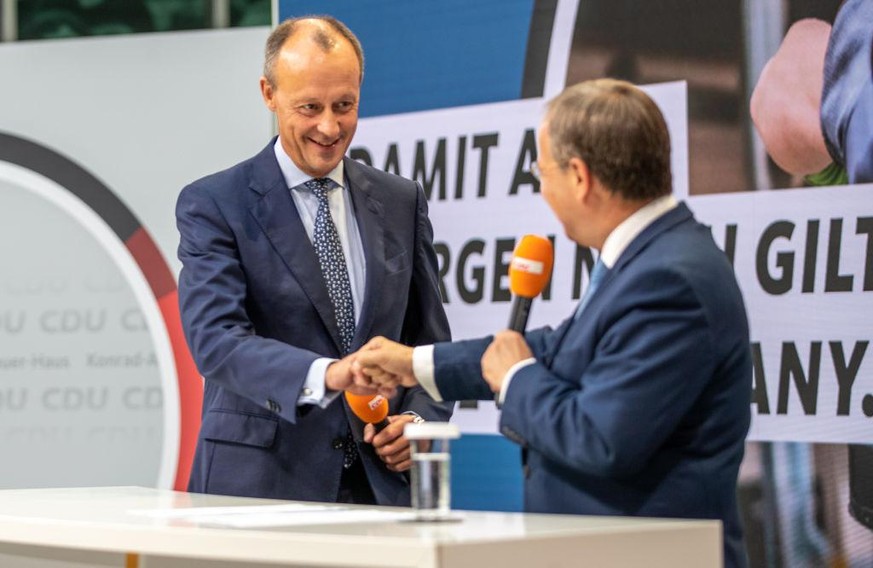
(148, 528)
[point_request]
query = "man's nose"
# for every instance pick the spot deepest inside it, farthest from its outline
(328, 125)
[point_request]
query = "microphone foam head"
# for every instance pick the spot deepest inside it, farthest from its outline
(369, 408)
(531, 266)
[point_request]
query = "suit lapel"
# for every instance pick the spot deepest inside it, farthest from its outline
(671, 218)
(369, 214)
(277, 215)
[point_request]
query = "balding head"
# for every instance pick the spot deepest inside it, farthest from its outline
(324, 31)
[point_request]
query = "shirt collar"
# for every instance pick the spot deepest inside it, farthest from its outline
(294, 176)
(620, 237)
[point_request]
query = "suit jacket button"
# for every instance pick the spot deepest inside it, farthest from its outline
(273, 406)
(338, 443)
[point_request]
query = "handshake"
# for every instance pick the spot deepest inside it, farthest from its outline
(379, 367)
(382, 365)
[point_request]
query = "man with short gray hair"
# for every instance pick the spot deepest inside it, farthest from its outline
(638, 403)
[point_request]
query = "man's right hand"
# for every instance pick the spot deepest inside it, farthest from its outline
(339, 377)
(384, 364)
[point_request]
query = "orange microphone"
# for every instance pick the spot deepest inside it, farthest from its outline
(369, 408)
(529, 272)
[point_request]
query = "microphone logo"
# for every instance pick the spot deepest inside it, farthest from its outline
(527, 265)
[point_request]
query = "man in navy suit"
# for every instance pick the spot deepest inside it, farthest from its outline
(291, 260)
(638, 403)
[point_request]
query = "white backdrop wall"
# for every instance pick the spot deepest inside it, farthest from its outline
(87, 381)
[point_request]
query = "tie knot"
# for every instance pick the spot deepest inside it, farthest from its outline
(318, 186)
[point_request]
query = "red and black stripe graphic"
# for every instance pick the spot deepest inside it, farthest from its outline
(99, 198)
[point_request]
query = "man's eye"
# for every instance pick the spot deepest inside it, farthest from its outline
(344, 106)
(309, 108)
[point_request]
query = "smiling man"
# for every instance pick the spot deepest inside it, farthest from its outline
(292, 260)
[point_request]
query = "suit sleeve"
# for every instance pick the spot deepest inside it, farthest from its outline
(458, 367)
(650, 365)
(212, 292)
(425, 321)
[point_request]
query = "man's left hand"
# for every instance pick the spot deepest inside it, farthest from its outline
(390, 444)
(507, 349)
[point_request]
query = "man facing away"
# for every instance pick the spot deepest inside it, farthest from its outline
(638, 403)
(291, 260)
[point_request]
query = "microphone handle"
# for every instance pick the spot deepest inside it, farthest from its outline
(518, 319)
(520, 312)
(381, 425)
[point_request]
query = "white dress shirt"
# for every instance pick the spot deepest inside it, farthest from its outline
(343, 214)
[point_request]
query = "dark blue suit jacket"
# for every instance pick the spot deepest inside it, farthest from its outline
(256, 314)
(641, 406)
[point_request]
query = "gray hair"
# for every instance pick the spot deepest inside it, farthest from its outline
(618, 131)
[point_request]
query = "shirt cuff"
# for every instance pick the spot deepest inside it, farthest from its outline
(416, 418)
(313, 391)
(423, 369)
(509, 375)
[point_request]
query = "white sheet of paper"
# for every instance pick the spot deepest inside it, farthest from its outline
(275, 515)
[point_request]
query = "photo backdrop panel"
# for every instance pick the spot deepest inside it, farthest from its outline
(804, 259)
(96, 383)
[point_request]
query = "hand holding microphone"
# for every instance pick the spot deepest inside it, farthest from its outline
(529, 272)
(389, 443)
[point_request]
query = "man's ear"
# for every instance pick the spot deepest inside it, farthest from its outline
(580, 178)
(268, 93)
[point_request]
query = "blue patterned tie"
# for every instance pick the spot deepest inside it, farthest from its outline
(336, 277)
(333, 263)
(597, 274)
